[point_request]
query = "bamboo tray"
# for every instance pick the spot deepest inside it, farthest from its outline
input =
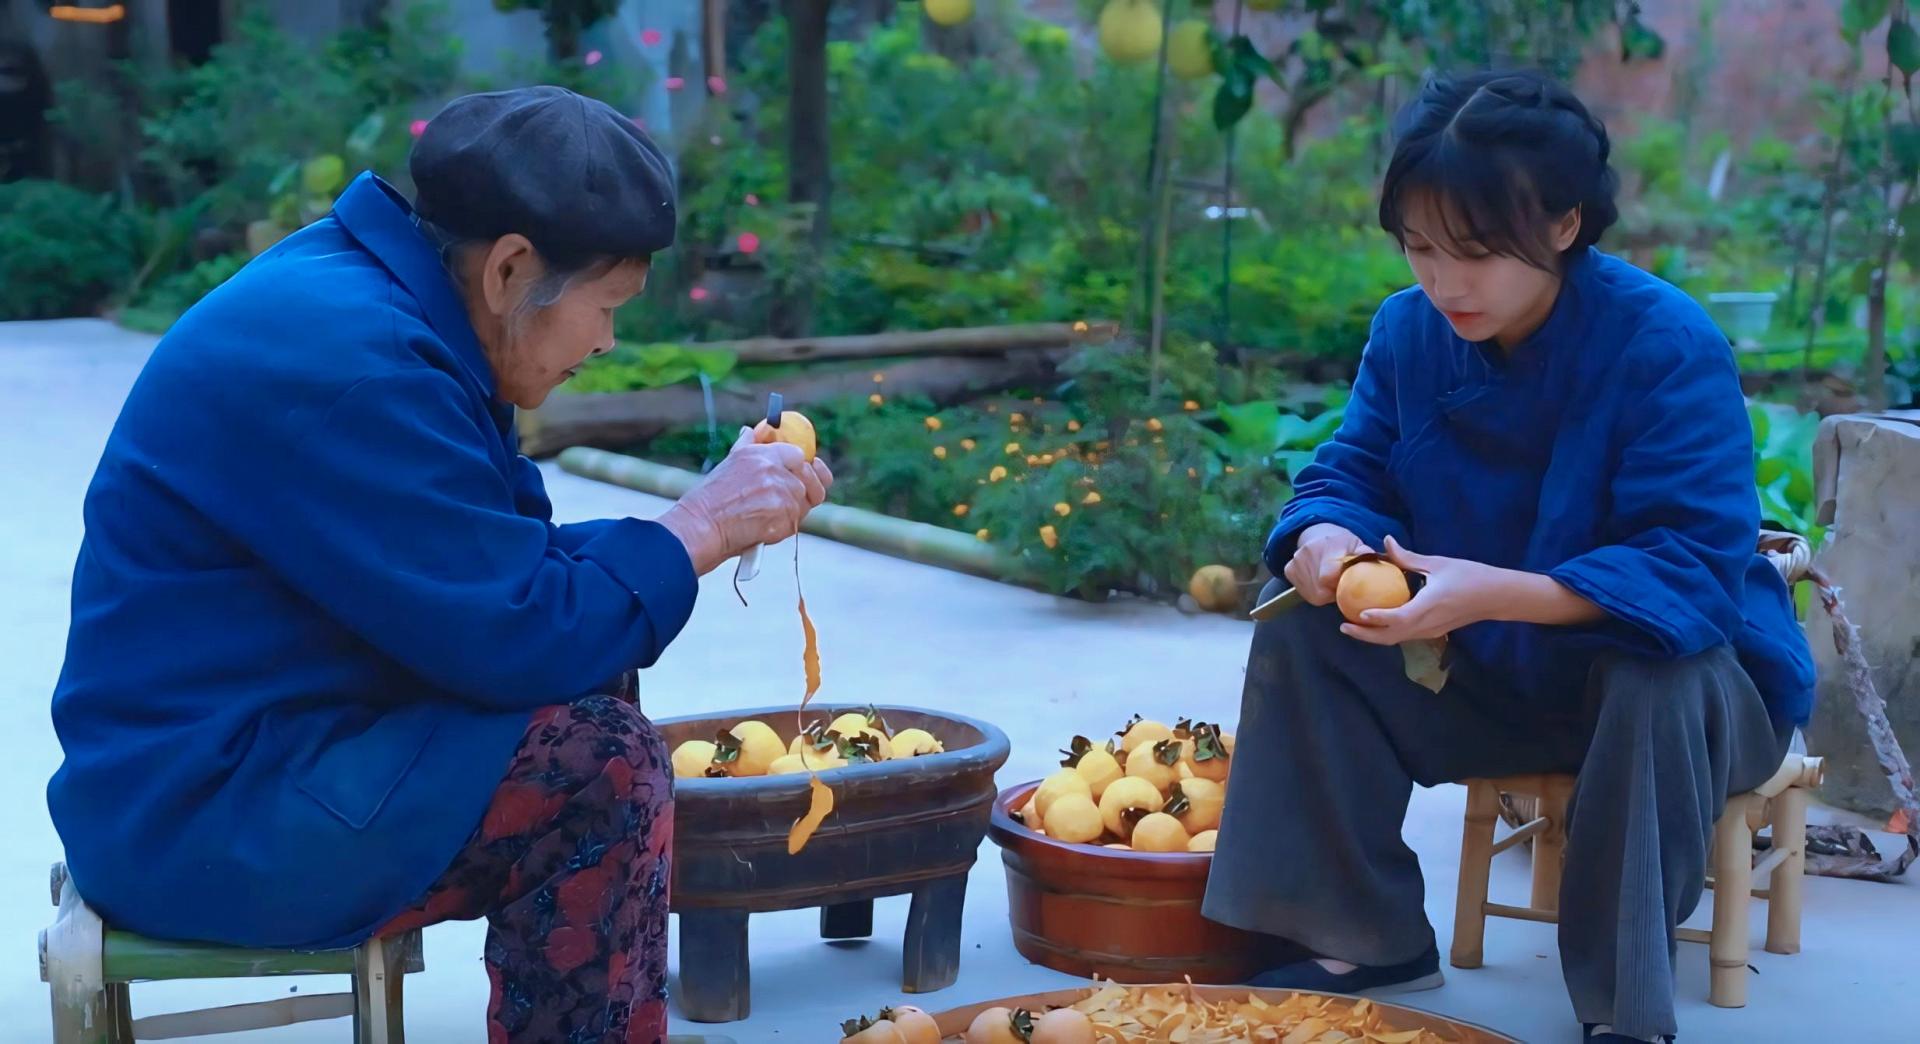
(954, 1023)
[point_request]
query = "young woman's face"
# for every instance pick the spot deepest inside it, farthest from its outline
(1486, 296)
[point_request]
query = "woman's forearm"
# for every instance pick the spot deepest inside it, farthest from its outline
(1539, 599)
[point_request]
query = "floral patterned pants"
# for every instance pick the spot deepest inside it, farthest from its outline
(571, 869)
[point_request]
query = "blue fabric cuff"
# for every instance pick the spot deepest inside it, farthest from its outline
(1369, 526)
(1647, 629)
(653, 564)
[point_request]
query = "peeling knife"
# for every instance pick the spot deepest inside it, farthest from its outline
(1280, 603)
(749, 564)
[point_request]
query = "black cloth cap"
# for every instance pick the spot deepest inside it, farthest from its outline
(570, 173)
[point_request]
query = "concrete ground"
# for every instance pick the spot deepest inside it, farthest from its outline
(1041, 668)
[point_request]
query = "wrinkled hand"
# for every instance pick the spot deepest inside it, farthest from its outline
(758, 495)
(1314, 569)
(1457, 593)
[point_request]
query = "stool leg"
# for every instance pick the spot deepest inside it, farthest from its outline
(932, 958)
(715, 981)
(1550, 846)
(1732, 887)
(378, 970)
(1783, 889)
(119, 1013)
(1476, 863)
(847, 921)
(73, 957)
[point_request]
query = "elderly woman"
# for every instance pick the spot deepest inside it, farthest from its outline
(333, 671)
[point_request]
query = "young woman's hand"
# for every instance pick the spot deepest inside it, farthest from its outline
(1458, 593)
(1314, 569)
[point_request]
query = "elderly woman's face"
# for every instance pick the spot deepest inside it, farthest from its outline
(534, 346)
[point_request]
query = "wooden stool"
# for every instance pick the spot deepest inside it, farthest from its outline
(1781, 800)
(88, 967)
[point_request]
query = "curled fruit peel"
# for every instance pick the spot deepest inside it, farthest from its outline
(820, 805)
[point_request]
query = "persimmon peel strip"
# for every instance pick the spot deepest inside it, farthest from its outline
(821, 795)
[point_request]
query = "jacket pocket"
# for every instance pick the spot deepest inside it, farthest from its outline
(352, 764)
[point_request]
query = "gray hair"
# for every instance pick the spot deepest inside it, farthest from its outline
(545, 292)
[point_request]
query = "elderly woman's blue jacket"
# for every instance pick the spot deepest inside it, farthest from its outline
(1611, 450)
(319, 596)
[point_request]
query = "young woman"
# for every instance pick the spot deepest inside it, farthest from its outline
(1563, 439)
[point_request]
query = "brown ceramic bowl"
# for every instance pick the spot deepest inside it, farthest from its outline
(1133, 917)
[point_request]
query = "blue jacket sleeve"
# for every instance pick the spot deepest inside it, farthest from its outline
(392, 515)
(1684, 516)
(1347, 482)
(530, 499)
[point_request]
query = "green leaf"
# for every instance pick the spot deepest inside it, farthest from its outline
(1903, 141)
(1233, 99)
(366, 136)
(1768, 471)
(1859, 17)
(1243, 55)
(1903, 47)
(1910, 234)
(323, 175)
(1638, 40)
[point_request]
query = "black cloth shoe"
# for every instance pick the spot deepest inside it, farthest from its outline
(1421, 973)
(1613, 1038)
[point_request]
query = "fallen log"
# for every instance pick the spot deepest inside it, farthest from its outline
(966, 340)
(616, 420)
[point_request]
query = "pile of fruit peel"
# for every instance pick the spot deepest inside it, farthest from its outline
(1180, 1015)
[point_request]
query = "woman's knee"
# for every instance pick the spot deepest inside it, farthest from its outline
(601, 736)
(1639, 687)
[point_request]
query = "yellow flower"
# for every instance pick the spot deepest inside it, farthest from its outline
(1230, 469)
(982, 534)
(1050, 537)
(1193, 473)
(968, 445)
(879, 378)
(960, 510)
(933, 424)
(996, 474)
(1046, 459)
(1153, 424)
(1014, 420)
(1033, 460)
(1062, 509)
(1073, 425)
(1013, 449)
(1092, 497)
(940, 453)
(875, 399)
(1080, 326)
(1190, 405)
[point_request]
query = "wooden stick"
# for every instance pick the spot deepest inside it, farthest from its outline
(1693, 935)
(1526, 830)
(1523, 913)
(1790, 838)
(1733, 872)
(1794, 771)
(1550, 846)
(616, 420)
(966, 340)
(1476, 863)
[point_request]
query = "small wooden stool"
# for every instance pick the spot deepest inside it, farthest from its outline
(88, 967)
(1781, 800)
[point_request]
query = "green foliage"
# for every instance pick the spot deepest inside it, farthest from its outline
(1783, 467)
(156, 307)
(635, 367)
(63, 252)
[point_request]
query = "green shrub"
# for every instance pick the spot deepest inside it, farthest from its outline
(63, 252)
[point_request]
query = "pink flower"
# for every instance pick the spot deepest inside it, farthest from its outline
(753, 200)
(749, 242)
(418, 128)
(674, 83)
(593, 57)
(650, 37)
(698, 293)
(716, 85)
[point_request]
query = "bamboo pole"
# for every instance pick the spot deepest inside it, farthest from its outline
(914, 541)
(1476, 864)
(1550, 845)
(1784, 887)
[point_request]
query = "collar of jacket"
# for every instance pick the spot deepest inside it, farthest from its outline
(376, 215)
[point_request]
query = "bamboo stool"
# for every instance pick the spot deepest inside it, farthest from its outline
(1781, 801)
(88, 967)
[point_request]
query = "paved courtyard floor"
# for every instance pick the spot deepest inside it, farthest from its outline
(1041, 668)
